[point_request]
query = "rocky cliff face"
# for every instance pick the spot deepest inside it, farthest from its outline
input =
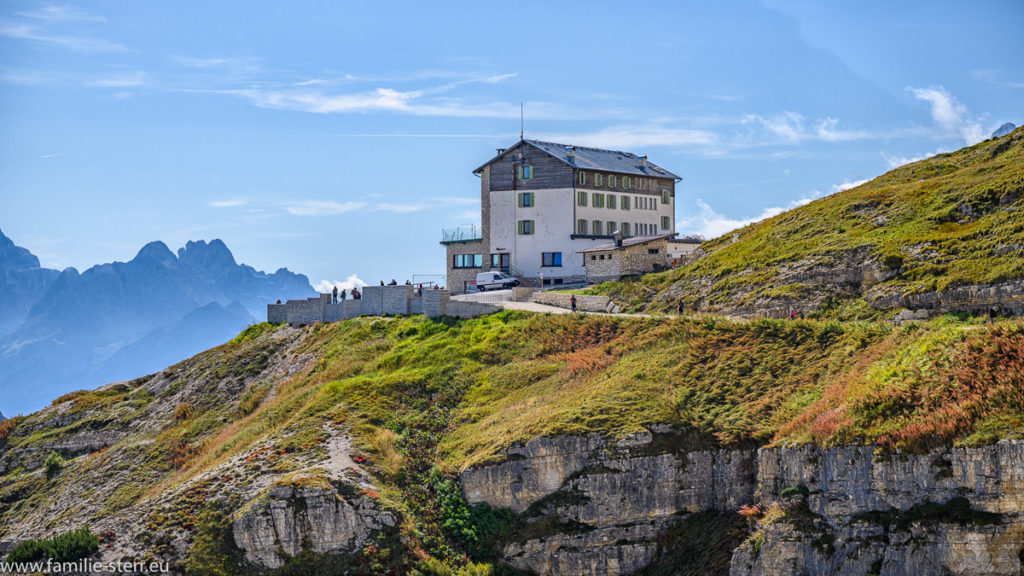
(951, 511)
(600, 507)
(605, 508)
(318, 518)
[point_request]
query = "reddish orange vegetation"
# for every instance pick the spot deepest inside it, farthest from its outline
(7, 426)
(952, 391)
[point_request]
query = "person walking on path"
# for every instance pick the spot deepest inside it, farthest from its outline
(334, 295)
(991, 315)
(572, 302)
(679, 307)
(342, 295)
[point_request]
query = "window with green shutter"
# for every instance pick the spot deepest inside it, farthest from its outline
(581, 226)
(583, 179)
(625, 229)
(525, 199)
(595, 228)
(611, 201)
(611, 226)
(598, 179)
(612, 180)
(525, 227)
(526, 172)
(666, 197)
(597, 200)
(581, 198)
(625, 203)
(664, 223)
(627, 182)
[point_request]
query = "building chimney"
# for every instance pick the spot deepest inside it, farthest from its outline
(643, 162)
(570, 152)
(618, 238)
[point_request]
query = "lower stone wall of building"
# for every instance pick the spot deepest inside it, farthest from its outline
(306, 311)
(395, 299)
(334, 312)
(460, 309)
(373, 300)
(352, 309)
(585, 303)
(277, 313)
(435, 302)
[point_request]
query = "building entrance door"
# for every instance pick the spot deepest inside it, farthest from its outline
(502, 261)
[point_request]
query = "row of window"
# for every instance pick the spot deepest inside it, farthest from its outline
(598, 180)
(468, 261)
(601, 200)
(548, 259)
(599, 228)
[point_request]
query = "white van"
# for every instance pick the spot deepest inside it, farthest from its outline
(494, 281)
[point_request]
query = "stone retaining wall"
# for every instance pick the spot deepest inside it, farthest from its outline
(585, 303)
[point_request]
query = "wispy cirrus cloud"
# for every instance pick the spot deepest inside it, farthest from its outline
(950, 115)
(78, 43)
(124, 80)
(895, 161)
(311, 96)
(792, 128)
(712, 224)
(321, 207)
(630, 136)
(62, 13)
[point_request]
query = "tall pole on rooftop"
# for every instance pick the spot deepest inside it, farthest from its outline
(522, 120)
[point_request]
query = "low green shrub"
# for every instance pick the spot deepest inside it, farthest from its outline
(53, 463)
(67, 547)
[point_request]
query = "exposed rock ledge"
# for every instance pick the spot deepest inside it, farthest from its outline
(607, 504)
(315, 517)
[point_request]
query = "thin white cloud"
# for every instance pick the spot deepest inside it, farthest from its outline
(897, 161)
(54, 155)
(321, 207)
(629, 136)
(326, 286)
(792, 128)
(848, 185)
(398, 208)
(78, 43)
(950, 114)
(128, 80)
(711, 224)
(231, 203)
(62, 13)
(310, 96)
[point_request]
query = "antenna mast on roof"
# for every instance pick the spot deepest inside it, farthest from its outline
(522, 120)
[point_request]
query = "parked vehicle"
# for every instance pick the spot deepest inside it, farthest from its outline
(494, 281)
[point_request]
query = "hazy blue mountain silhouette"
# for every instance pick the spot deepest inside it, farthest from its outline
(206, 327)
(127, 319)
(1004, 130)
(22, 283)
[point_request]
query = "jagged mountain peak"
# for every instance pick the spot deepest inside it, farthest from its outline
(156, 251)
(1004, 130)
(201, 254)
(14, 257)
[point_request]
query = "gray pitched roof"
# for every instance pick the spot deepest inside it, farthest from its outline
(626, 243)
(594, 159)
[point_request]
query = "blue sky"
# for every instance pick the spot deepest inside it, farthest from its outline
(338, 138)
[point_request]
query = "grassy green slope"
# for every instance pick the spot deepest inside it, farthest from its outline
(953, 219)
(420, 394)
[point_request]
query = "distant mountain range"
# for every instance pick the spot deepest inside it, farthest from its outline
(1004, 130)
(63, 331)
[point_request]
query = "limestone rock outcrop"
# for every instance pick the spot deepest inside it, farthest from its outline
(319, 518)
(604, 508)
